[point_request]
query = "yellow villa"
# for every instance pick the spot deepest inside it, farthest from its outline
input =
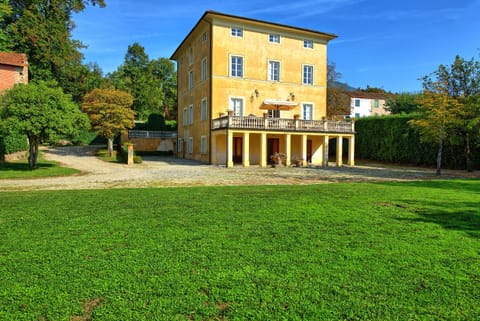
(251, 89)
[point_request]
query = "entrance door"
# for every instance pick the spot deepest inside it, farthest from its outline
(309, 150)
(237, 150)
(273, 146)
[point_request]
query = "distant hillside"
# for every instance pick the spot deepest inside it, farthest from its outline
(343, 85)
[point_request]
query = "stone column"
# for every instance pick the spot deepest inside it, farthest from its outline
(325, 150)
(288, 149)
(263, 149)
(339, 151)
(229, 149)
(246, 150)
(351, 151)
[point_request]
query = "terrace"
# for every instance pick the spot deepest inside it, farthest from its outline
(282, 124)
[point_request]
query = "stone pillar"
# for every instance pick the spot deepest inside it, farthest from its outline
(304, 149)
(288, 149)
(325, 150)
(351, 151)
(246, 150)
(263, 150)
(130, 154)
(339, 151)
(229, 149)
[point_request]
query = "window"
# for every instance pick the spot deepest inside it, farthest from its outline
(307, 111)
(204, 69)
(357, 115)
(357, 102)
(190, 80)
(204, 145)
(274, 38)
(237, 32)
(190, 56)
(204, 109)
(375, 103)
(180, 145)
(236, 66)
(185, 116)
(190, 109)
(273, 113)
(273, 70)
(236, 104)
(190, 145)
(308, 44)
(204, 37)
(307, 75)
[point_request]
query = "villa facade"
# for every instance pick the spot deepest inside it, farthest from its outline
(250, 89)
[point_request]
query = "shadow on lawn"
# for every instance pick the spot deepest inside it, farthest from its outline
(459, 216)
(23, 167)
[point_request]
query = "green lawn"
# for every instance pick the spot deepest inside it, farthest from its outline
(20, 169)
(359, 251)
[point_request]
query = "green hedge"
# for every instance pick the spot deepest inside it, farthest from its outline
(392, 139)
(13, 142)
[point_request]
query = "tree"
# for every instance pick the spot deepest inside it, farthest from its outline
(110, 113)
(42, 29)
(403, 103)
(5, 12)
(152, 83)
(43, 112)
(438, 117)
(338, 102)
(461, 81)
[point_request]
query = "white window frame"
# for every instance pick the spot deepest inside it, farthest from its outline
(190, 115)
(308, 80)
(357, 102)
(308, 44)
(270, 70)
(185, 117)
(203, 108)
(203, 145)
(204, 69)
(304, 114)
(190, 145)
(236, 32)
(234, 107)
(232, 57)
(273, 38)
(190, 80)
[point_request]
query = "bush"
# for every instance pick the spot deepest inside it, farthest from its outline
(137, 159)
(392, 139)
(13, 142)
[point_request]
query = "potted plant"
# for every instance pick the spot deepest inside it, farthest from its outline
(278, 159)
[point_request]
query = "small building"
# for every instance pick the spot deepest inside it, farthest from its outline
(364, 104)
(13, 70)
(250, 89)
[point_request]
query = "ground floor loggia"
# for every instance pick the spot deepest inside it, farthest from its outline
(231, 147)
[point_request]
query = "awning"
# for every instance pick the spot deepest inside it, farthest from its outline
(274, 104)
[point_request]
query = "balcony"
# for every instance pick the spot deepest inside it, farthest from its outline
(282, 124)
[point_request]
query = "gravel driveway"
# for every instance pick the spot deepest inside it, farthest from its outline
(168, 171)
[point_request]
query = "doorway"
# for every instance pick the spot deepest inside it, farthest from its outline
(309, 150)
(273, 146)
(237, 150)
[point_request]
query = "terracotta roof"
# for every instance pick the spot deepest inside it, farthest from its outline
(13, 59)
(366, 95)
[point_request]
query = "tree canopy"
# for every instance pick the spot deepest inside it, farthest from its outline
(110, 113)
(338, 102)
(42, 112)
(42, 29)
(403, 103)
(152, 83)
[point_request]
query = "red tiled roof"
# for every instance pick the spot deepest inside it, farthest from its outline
(13, 59)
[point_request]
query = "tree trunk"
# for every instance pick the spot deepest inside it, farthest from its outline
(110, 147)
(439, 156)
(33, 151)
(468, 153)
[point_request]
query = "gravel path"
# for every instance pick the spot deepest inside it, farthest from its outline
(167, 171)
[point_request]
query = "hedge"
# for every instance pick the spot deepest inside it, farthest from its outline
(392, 139)
(13, 142)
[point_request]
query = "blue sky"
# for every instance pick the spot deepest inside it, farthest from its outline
(381, 43)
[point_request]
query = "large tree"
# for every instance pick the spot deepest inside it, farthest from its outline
(5, 12)
(110, 113)
(403, 103)
(461, 81)
(152, 83)
(42, 112)
(42, 29)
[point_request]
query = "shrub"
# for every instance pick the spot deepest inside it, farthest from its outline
(137, 159)
(13, 142)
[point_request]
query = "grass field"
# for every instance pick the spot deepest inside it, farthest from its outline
(20, 169)
(359, 251)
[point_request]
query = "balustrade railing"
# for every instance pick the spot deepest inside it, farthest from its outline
(282, 124)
